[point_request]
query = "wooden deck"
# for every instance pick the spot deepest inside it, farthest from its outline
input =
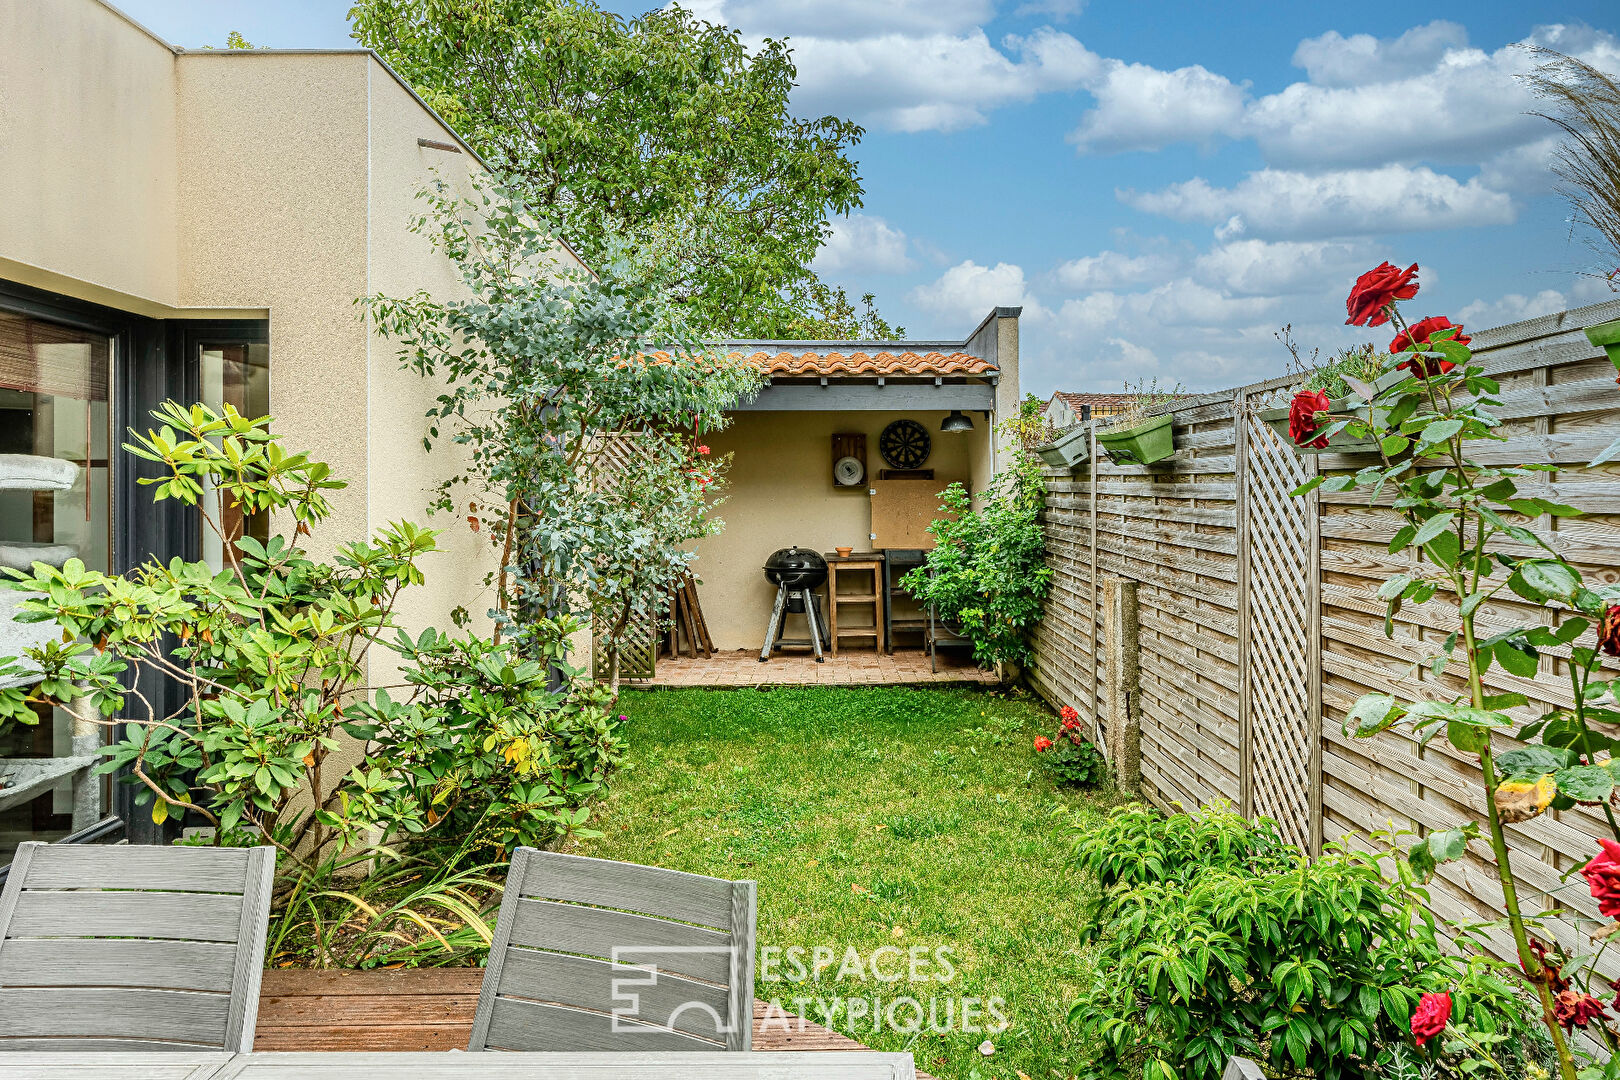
(430, 1009)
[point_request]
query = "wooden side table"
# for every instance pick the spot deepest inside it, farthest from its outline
(859, 562)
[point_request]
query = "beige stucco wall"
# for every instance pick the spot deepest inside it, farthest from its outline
(230, 184)
(780, 492)
(87, 142)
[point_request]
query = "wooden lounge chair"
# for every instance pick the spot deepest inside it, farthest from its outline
(132, 948)
(684, 946)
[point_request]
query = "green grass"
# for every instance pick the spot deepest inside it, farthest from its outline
(874, 817)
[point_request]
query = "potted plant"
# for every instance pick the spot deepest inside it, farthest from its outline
(1318, 418)
(1141, 437)
(1069, 449)
(1606, 336)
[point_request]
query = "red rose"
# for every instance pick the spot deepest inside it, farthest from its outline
(1302, 417)
(1376, 290)
(1430, 1017)
(1609, 631)
(1042, 743)
(1417, 336)
(1552, 967)
(1602, 876)
(1574, 1009)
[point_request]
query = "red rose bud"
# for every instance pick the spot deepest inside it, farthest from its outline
(1609, 631)
(1042, 744)
(1302, 417)
(1376, 290)
(1430, 1017)
(1602, 876)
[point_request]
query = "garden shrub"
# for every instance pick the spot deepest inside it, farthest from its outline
(267, 660)
(1217, 939)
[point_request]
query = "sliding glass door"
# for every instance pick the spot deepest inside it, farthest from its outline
(55, 505)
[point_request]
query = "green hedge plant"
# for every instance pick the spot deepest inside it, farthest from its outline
(1218, 939)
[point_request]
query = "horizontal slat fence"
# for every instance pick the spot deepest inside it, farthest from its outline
(1207, 541)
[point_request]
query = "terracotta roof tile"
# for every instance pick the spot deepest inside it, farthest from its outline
(812, 363)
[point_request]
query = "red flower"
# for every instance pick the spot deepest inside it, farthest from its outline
(1376, 290)
(1609, 630)
(1071, 725)
(1068, 714)
(1417, 336)
(704, 450)
(1602, 876)
(1430, 1017)
(1042, 744)
(1574, 1009)
(1302, 417)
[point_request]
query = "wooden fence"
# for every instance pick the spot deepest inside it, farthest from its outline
(1259, 627)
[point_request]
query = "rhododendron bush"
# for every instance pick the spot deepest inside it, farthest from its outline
(1473, 525)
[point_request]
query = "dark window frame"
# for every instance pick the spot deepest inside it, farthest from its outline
(153, 360)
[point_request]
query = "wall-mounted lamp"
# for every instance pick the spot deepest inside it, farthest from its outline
(957, 421)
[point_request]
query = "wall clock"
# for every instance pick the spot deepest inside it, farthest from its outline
(904, 444)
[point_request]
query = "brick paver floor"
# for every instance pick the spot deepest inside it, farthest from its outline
(849, 668)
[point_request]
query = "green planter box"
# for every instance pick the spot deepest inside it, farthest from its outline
(1606, 336)
(1338, 443)
(1067, 450)
(1342, 442)
(1140, 444)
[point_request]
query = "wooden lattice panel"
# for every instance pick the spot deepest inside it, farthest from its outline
(1279, 559)
(638, 648)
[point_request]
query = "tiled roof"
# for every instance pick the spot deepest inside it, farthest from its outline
(802, 363)
(1074, 401)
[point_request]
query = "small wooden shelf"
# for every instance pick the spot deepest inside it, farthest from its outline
(866, 562)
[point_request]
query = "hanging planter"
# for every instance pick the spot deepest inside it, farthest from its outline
(1341, 442)
(1140, 444)
(1606, 336)
(1067, 450)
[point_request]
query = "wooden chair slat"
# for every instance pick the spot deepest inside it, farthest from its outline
(696, 1008)
(173, 965)
(84, 914)
(119, 1013)
(528, 1025)
(670, 946)
(165, 869)
(650, 890)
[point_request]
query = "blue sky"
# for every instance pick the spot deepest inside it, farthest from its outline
(1160, 185)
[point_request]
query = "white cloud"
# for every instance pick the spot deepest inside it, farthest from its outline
(1523, 170)
(1111, 269)
(968, 291)
(1512, 308)
(862, 243)
(1336, 60)
(1280, 268)
(1283, 203)
(1423, 96)
(1142, 108)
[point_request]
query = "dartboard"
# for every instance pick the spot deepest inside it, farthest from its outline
(904, 444)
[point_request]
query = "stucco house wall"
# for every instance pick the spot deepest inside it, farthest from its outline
(264, 184)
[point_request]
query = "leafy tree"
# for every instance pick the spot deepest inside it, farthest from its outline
(662, 129)
(545, 370)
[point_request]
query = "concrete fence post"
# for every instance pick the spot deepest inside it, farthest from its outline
(1122, 682)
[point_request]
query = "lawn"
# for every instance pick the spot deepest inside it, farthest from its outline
(875, 817)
